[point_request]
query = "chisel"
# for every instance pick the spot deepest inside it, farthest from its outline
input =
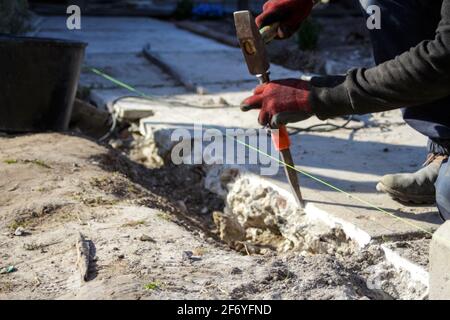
(252, 42)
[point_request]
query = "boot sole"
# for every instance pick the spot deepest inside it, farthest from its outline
(406, 198)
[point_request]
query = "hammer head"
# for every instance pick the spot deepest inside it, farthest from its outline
(251, 42)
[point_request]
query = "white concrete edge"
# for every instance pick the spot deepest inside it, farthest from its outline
(356, 234)
(418, 273)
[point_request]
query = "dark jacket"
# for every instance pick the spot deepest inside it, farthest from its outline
(418, 76)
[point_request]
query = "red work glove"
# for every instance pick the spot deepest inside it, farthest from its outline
(289, 13)
(281, 102)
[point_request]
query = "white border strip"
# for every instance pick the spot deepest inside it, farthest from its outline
(418, 273)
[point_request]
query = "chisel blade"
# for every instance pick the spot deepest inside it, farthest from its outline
(292, 177)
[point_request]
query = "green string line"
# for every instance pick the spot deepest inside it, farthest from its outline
(119, 83)
(130, 88)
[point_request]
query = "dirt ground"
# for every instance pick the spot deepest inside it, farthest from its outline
(151, 235)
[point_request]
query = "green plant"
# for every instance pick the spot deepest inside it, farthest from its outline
(308, 35)
(164, 216)
(133, 223)
(16, 224)
(14, 16)
(10, 161)
(184, 9)
(152, 286)
(39, 163)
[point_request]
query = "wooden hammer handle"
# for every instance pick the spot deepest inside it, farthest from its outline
(269, 33)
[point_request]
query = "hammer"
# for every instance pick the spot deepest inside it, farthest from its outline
(252, 42)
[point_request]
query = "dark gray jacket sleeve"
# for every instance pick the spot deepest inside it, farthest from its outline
(416, 77)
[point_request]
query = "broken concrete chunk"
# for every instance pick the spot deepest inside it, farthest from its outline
(6, 270)
(129, 113)
(20, 231)
(229, 228)
(265, 219)
(145, 237)
(134, 109)
(89, 119)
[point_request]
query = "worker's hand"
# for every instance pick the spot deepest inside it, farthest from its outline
(289, 13)
(281, 102)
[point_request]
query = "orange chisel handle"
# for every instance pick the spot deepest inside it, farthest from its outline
(281, 139)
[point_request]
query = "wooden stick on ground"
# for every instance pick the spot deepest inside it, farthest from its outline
(83, 256)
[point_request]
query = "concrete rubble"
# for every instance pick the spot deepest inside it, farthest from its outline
(439, 256)
(261, 214)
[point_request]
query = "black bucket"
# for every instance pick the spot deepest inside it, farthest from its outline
(38, 83)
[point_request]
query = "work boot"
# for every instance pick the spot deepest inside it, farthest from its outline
(417, 187)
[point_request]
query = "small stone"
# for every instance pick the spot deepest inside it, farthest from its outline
(182, 206)
(120, 256)
(204, 210)
(186, 255)
(14, 188)
(145, 237)
(189, 256)
(6, 270)
(75, 167)
(223, 102)
(276, 296)
(20, 231)
(236, 270)
(116, 144)
(207, 283)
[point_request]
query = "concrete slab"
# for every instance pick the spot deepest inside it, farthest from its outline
(132, 69)
(103, 42)
(103, 98)
(107, 24)
(439, 262)
(132, 113)
(106, 35)
(181, 41)
(195, 110)
(114, 46)
(210, 68)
